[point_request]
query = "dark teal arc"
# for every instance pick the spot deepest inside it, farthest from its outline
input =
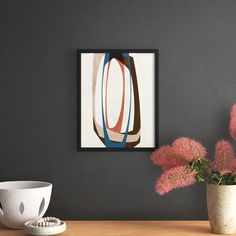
(108, 142)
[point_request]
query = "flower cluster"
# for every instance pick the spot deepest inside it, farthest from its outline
(184, 162)
(176, 161)
(232, 124)
(176, 177)
(224, 158)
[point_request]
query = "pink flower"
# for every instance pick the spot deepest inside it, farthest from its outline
(189, 148)
(175, 161)
(167, 158)
(232, 123)
(233, 166)
(224, 150)
(176, 177)
(224, 157)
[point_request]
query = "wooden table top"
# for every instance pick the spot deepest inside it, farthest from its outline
(128, 228)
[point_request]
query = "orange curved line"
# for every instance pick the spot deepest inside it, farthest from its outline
(108, 68)
(118, 125)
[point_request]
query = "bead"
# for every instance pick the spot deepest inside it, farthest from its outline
(46, 222)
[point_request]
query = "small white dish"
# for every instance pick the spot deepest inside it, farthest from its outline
(40, 231)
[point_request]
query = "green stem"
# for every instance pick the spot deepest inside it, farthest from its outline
(219, 180)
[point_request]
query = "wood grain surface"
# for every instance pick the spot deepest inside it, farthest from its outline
(127, 228)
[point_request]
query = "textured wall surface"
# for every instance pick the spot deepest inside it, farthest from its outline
(38, 41)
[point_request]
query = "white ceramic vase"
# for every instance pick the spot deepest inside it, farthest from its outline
(221, 204)
(21, 201)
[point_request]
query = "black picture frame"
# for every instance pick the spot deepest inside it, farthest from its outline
(156, 98)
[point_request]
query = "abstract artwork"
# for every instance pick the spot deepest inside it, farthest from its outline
(117, 99)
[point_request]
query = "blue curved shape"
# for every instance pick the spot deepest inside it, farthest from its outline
(108, 142)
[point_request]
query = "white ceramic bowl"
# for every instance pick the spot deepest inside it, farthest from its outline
(21, 201)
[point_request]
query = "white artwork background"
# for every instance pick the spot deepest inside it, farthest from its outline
(145, 71)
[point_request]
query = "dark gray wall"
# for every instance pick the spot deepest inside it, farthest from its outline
(38, 41)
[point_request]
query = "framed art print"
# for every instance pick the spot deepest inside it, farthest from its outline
(117, 99)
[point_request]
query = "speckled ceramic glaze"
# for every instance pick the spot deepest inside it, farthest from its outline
(221, 204)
